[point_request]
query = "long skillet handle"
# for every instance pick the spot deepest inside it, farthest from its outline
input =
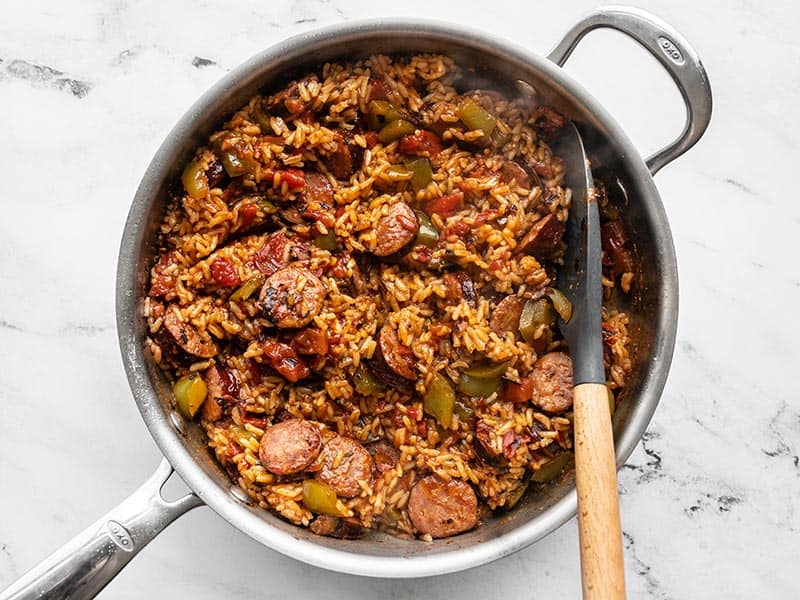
(602, 569)
(84, 565)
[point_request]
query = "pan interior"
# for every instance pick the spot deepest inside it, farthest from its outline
(652, 308)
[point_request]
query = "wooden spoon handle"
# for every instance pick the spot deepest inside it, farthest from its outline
(602, 569)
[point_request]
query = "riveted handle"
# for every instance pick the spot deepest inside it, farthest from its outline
(84, 565)
(674, 53)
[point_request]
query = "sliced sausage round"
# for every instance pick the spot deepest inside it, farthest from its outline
(397, 356)
(290, 446)
(346, 159)
(543, 238)
(318, 189)
(381, 370)
(396, 230)
(506, 315)
(223, 388)
(347, 528)
(459, 286)
(292, 297)
(181, 341)
(513, 171)
(552, 382)
(345, 462)
(384, 454)
(210, 410)
(442, 508)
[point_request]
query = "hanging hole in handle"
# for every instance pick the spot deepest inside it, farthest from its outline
(631, 84)
(174, 489)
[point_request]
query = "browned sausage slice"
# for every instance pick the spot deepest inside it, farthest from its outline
(346, 159)
(289, 102)
(458, 287)
(318, 189)
(181, 341)
(512, 171)
(345, 529)
(442, 508)
(222, 388)
(398, 357)
(292, 297)
(506, 315)
(384, 454)
(290, 446)
(396, 230)
(345, 462)
(543, 238)
(210, 410)
(552, 382)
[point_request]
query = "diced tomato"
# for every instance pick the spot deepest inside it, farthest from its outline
(271, 256)
(233, 449)
(294, 178)
(423, 254)
(397, 418)
(484, 216)
(371, 137)
(519, 393)
(258, 420)
(294, 105)
(340, 269)
(254, 369)
(458, 229)
(311, 341)
(421, 143)
(228, 381)
(511, 441)
(224, 272)
(285, 361)
(248, 213)
(162, 283)
(321, 216)
(445, 206)
(378, 90)
(496, 265)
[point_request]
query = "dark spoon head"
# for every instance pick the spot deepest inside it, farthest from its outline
(580, 277)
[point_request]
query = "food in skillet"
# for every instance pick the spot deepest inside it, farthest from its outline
(354, 295)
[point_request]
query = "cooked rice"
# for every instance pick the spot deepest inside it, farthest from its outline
(365, 293)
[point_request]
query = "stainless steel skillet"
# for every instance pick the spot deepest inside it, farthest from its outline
(84, 566)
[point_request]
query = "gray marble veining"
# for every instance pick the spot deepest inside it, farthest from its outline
(710, 497)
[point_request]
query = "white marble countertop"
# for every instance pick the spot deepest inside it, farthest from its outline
(88, 90)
